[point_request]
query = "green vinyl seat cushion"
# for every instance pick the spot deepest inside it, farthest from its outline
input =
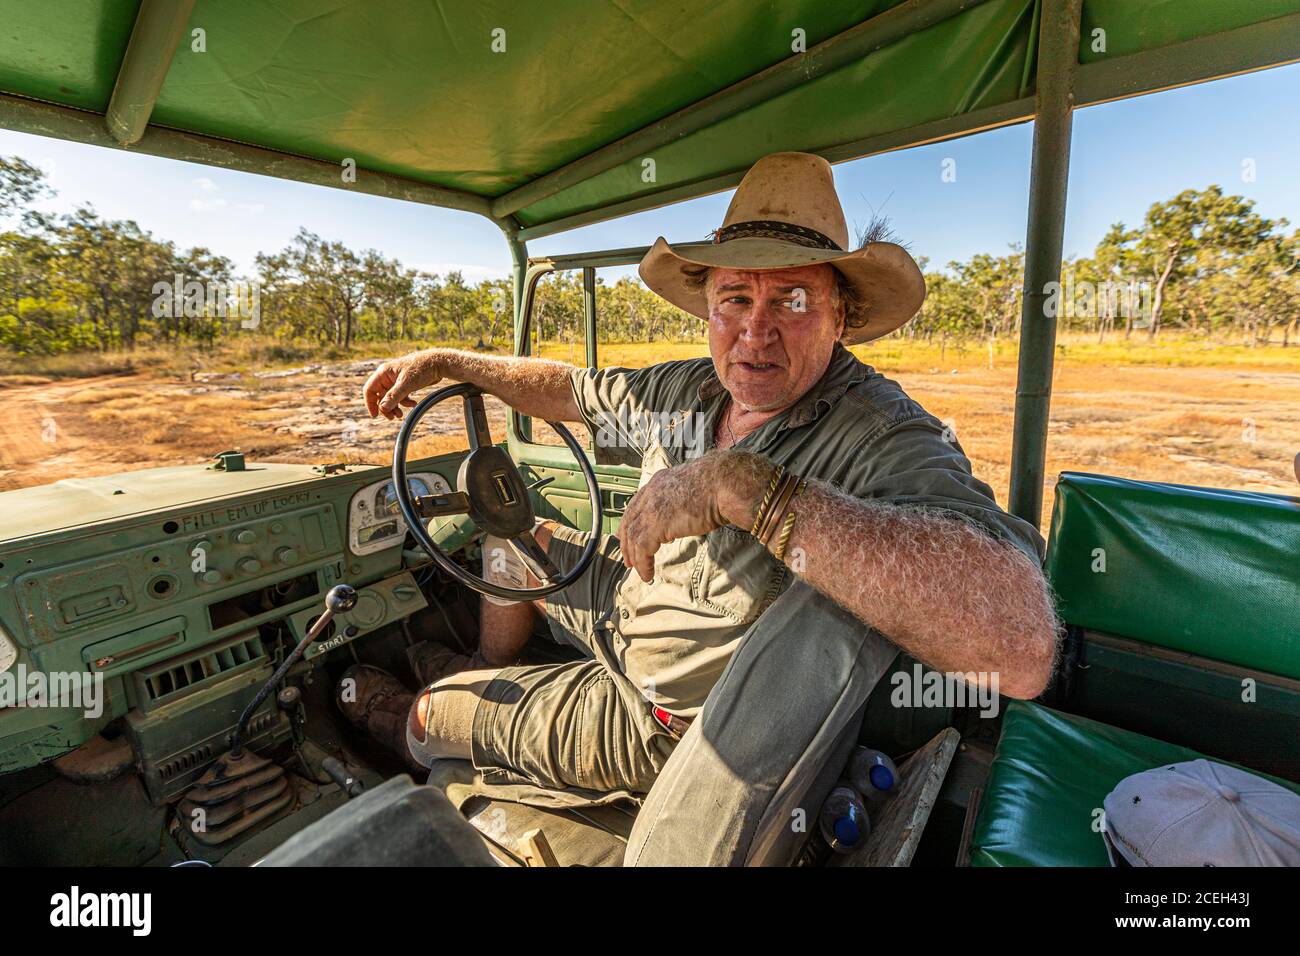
(1205, 571)
(1042, 802)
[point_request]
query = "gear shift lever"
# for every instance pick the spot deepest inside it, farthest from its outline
(242, 789)
(342, 597)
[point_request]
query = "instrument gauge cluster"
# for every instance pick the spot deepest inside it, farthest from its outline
(374, 520)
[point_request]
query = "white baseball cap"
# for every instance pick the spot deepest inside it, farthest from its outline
(1200, 813)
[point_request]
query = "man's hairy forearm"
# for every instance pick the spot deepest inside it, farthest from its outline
(943, 590)
(532, 386)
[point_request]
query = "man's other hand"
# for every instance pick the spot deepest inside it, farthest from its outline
(692, 499)
(389, 385)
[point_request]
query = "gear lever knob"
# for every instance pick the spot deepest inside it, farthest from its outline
(341, 597)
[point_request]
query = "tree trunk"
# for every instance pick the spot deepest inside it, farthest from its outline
(1158, 300)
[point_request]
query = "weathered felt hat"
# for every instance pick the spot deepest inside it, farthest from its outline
(786, 214)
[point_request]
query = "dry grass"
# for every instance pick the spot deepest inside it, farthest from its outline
(1181, 410)
(1178, 411)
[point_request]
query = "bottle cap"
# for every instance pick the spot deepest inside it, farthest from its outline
(847, 832)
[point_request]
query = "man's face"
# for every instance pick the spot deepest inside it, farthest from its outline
(771, 333)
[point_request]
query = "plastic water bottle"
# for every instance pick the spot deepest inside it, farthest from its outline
(871, 772)
(843, 820)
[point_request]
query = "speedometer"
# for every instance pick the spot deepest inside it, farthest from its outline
(374, 520)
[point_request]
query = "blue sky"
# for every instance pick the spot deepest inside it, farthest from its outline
(1126, 155)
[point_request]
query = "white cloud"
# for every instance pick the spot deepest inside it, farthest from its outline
(252, 208)
(206, 205)
(204, 183)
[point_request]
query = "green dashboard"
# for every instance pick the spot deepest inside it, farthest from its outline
(155, 584)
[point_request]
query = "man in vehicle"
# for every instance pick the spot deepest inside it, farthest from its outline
(811, 465)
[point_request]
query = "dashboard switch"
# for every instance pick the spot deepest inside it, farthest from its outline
(286, 555)
(247, 536)
(250, 565)
(210, 576)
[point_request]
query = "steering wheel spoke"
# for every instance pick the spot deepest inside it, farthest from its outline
(476, 422)
(535, 557)
(439, 506)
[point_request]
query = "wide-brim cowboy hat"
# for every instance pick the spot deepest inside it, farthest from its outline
(786, 214)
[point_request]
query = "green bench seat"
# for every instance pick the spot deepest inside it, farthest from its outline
(1204, 571)
(1049, 777)
(1179, 599)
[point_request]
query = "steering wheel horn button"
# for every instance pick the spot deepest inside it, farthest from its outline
(503, 488)
(498, 497)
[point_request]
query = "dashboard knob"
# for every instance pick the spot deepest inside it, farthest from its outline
(277, 527)
(286, 555)
(250, 565)
(247, 536)
(210, 576)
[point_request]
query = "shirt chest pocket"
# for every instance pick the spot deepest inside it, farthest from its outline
(735, 576)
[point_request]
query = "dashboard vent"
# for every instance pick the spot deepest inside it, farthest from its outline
(174, 678)
(185, 761)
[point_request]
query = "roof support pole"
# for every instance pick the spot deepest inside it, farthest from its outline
(159, 26)
(518, 428)
(519, 266)
(1058, 55)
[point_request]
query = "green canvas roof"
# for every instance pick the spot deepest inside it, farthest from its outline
(552, 131)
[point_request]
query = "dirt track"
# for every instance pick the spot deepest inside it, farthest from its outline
(117, 423)
(1229, 426)
(33, 446)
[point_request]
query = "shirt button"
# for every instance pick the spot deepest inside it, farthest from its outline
(625, 614)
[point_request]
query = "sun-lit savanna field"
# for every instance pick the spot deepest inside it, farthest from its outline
(1177, 359)
(1179, 410)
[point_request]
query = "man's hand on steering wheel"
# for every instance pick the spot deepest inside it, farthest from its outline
(722, 487)
(389, 385)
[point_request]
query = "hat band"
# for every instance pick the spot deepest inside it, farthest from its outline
(775, 229)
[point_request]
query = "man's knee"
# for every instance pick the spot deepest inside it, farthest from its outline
(440, 722)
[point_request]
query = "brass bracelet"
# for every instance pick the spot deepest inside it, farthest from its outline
(788, 525)
(780, 502)
(767, 499)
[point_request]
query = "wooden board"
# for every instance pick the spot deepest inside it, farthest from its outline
(898, 821)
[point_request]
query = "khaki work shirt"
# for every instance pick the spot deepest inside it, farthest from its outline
(856, 429)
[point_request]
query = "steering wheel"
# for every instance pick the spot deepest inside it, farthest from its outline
(490, 489)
